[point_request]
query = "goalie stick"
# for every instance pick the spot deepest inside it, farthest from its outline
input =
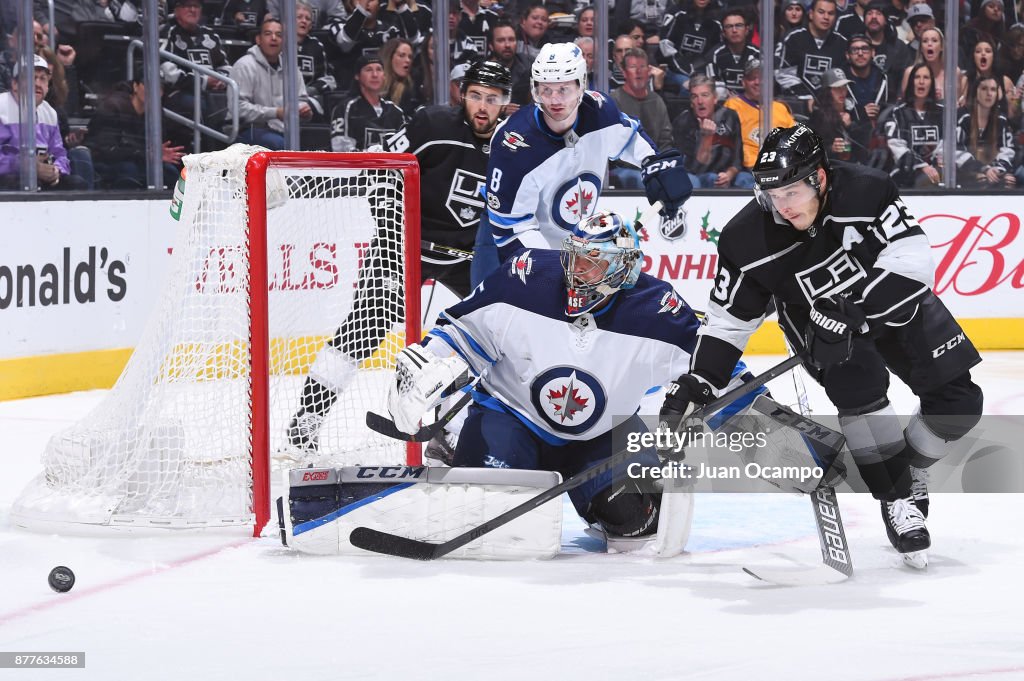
(395, 545)
(387, 427)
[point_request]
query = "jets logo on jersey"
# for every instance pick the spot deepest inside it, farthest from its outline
(569, 399)
(831, 276)
(493, 201)
(464, 201)
(671, 303)
(575, 200)
(513, 140)
(522, 265)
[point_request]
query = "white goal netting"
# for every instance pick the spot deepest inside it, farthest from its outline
(179, 440)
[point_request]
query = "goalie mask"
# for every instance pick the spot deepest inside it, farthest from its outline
(558, 77)
(786, 167)
(601, 257)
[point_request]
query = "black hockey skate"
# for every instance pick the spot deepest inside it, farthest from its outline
(905, 526)
(304, 431)
(919, 488)
(442, 447)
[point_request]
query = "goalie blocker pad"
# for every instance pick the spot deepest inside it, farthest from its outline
(795, 445)
(323, 505)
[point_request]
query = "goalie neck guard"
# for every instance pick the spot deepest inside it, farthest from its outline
(601, 257)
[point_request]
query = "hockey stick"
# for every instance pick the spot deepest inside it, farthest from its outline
(445, 250)
(386, 426)
(835, 551)
(394, 545)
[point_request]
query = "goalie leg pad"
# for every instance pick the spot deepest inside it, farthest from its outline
(797, 453)
(324, 505)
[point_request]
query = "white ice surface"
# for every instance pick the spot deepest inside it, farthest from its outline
(215, 607)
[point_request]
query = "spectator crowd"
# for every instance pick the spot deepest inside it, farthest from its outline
(869, 76)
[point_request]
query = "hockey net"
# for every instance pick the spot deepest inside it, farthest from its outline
(187, 436)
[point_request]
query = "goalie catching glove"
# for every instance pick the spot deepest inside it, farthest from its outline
(666, 181)
(422, 380)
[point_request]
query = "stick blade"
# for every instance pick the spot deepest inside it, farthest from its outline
(391, 544)
(801, 576)
(386, 427)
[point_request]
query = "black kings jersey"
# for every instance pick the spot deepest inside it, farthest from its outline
(453, 164)
(356, 125)
(865, 245)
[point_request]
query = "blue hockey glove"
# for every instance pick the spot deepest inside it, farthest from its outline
(829, 334)
(666, 180)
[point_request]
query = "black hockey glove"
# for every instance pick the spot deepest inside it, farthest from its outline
(682, 396)
(665, 179)
(830, 332)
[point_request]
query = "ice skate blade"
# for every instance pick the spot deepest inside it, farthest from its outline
(917, 560)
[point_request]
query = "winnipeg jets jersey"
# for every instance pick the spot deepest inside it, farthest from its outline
(540, 185)
(564, 378)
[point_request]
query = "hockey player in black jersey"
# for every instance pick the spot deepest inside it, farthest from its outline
(851, 273)
(452, 145)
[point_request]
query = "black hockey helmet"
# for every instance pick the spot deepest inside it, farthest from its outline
(489, 74)
(788, 155)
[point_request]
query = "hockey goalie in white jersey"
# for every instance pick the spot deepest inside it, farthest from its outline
(563, 341)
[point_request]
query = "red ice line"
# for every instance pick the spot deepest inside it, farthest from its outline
(61, 599)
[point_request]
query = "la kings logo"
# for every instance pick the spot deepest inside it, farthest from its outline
(834, 274)
(464, 200)
(924, 134)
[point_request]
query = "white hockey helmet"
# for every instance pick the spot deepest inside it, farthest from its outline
(559, 63)
(602, 238)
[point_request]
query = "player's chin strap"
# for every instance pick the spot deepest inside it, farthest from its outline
(394, 545)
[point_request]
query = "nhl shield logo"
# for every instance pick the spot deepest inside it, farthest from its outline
(570, 400)
(575, 200)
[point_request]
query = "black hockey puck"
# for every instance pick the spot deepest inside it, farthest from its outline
(61, 579)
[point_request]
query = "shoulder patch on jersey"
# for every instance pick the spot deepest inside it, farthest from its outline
(569, 400)
(597, 97)
(493, 201)
(671, 303)
(521, 266)
(513, 141)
